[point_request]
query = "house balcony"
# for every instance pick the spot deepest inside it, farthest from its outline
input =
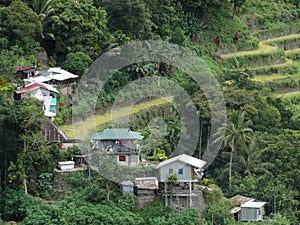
(117, 148)
(53, 101)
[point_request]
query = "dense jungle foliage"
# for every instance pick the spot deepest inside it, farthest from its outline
(260, 154)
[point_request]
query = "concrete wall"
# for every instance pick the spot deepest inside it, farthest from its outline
(130, 159)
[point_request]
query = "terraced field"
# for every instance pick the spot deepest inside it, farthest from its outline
(275, 60)
(83, 129)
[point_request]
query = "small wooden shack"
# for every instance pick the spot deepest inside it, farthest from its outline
(66, 165)
(238, 200)
(145, 189)
(80, 160)
(252, 211)
(247, 209)
(127, 187)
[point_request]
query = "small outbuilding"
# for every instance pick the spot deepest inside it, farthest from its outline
(238, 200)
(145, 188)
(252, 211)
(66, 165)
(127, 187)
(80, 160)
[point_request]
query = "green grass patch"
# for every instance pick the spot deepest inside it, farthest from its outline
(260, 14)
(292, 51)
(220, 22)
(270, 78)
(289, 94)
(277, 30)
(293, 54)
(267, 69)
(281, 65)
(275, 77)
(281, 39)
(264, 47)
(83, 129)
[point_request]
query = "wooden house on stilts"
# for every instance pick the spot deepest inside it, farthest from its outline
(177, 177)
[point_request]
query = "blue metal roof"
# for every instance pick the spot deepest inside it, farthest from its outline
(117, 134)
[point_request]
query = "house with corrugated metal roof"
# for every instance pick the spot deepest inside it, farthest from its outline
(43, 92)
(121, 142)
(24, 72)
(178, 176)
(238, 200)
(54, 76)
(247, 209)
(252, 211)
(186, 168)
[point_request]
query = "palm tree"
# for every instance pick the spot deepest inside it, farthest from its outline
(45, 10)
(237, 133)
(250, 162)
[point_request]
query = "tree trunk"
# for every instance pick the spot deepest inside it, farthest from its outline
(200, 140)
(25, 186)
(230, 167)
(234, 9)
(24, 180)
(107, 192)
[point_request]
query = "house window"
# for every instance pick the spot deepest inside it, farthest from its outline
(122, 158)
(52, 109)
(180, 171)
(170, 170)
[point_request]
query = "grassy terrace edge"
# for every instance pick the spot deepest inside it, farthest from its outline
(264, 47)
(83, 129)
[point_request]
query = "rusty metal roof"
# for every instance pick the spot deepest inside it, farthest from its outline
(146, 183)
(242, 199)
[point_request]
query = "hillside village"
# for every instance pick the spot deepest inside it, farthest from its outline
(81, 147)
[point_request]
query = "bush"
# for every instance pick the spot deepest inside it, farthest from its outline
(77, 63)
(219, 212)
(44, 181)
(78, 180)
(14, 205)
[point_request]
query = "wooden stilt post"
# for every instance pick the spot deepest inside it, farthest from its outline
(190, 194)
(166, 197)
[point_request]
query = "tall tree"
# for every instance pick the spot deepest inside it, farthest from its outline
(31, 117)
(77, 62)
(250, 161)
(166, 15)
(236, 4)
(237, 133)
(130, 16)
(80, 27)
(21, 25)
(45, 10)
(9, 132)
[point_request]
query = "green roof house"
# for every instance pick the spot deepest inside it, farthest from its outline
(121, 142)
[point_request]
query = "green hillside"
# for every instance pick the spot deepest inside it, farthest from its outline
(250, 51)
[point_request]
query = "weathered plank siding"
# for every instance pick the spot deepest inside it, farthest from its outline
(166, 171)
